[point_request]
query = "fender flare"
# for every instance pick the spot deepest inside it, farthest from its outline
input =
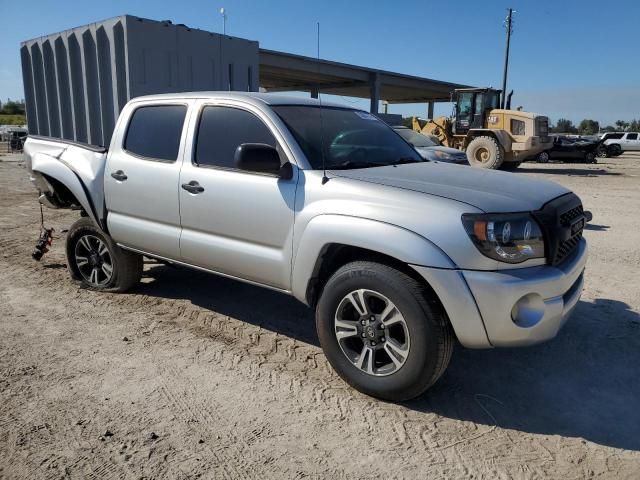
(502, 136)
(389, 239)
(52, 167)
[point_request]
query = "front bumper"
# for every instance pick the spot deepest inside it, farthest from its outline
(529, 305)
(510, 308)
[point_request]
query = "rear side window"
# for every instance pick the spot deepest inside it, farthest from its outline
(632, 136)
(154, 131)
(517, 127)
(222, 130)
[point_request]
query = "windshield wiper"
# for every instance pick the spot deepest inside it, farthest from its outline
(403, 160)
(349, 164)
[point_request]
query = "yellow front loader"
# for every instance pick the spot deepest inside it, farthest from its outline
(492, 137)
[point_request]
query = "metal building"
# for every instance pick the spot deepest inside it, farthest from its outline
(77, 81)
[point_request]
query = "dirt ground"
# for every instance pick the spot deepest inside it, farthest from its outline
(191, 375)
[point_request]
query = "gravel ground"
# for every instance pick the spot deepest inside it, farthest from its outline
(191, 375)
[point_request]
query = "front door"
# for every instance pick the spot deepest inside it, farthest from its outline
(235, 222)
(464, 112)
(141, 178)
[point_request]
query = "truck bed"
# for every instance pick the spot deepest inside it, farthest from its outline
(53, 162)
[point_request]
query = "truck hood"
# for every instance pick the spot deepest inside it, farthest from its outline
(489, 190)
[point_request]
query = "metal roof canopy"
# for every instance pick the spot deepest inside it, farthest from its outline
(280, 72)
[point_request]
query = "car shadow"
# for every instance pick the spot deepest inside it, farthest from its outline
(582, 384)
(269, 309)
(578, 171)
(596, 228)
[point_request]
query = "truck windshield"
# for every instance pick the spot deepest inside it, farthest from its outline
(348, 138)
(416, 139)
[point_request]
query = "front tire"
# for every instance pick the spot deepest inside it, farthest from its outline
(382, 332)
(96, 262)
(485, 152)
(590, 157)
(603, 151)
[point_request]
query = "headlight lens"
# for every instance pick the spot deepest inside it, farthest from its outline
(510, 238)
(440, 155)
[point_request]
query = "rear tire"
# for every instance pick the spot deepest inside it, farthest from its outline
(485, 152)
(543, 157)
(614, 150)
(590, 157)
(359, 339)
(96, 262)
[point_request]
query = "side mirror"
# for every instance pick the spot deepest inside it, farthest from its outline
(261, 158)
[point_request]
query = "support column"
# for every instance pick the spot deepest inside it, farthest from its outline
(374, 85)
(315, 91)
(430, 110)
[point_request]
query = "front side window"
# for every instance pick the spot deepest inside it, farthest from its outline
(344, 138)
(222, 130)
(464, 106)
(479, 101)
(415, 138)
(154, 132)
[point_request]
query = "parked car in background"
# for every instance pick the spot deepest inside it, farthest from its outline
(614, 143)
(568, 149)
(430, 149)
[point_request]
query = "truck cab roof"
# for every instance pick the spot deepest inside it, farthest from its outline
(250, 97)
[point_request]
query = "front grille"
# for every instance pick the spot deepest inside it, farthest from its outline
(565, 247)
(556, 219)
(570, 215)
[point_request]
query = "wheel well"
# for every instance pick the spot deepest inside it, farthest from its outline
(61, 195)
(473, 134)
(334, 256)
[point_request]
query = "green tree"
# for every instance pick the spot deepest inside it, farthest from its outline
(622, 125)
(565, 126)
(12, 108)
(608, 128)
(588, 127)
(635, 125)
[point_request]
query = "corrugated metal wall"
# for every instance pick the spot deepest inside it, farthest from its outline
(77, 81)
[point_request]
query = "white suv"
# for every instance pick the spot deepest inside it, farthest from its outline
(616, 143)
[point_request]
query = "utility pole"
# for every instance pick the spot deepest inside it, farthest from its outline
(224, 21)
(509, 27)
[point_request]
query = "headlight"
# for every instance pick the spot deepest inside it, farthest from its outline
(440, 155)
(510, 238)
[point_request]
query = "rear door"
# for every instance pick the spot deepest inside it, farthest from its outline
(141, 177)
(236, 223)
(631, 142)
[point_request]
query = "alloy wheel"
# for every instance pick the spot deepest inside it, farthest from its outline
(93, 260)
(372, 332)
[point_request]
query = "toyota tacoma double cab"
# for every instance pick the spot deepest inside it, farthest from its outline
(399, 256)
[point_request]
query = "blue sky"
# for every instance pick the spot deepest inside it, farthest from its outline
(570, 58)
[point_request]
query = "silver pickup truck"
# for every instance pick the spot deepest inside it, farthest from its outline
(400, 257)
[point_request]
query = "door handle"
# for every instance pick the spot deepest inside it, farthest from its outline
(119, 175)
(193, 187)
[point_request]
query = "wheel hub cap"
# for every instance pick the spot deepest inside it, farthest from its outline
(93, 260)
(371, 332)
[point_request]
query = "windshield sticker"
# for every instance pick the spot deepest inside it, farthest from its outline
(365, 115)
